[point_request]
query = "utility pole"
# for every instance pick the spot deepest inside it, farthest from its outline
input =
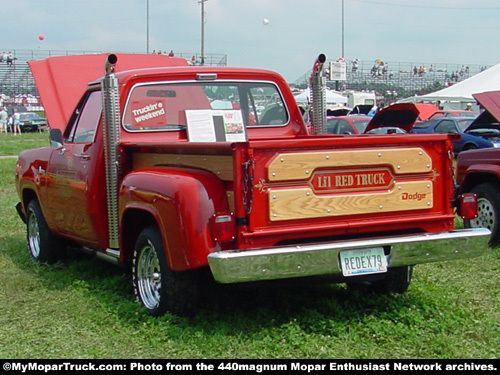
(202, 2)
(147, 26)
(343, 52)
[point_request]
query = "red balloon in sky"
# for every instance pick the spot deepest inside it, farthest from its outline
(41, 37)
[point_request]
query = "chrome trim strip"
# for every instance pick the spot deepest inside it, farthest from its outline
(113, 252)
(232, 266)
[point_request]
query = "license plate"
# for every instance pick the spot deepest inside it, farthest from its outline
(363, 261)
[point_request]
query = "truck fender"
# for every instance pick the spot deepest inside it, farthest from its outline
(31, 177)
(181, 200)
(479, 173)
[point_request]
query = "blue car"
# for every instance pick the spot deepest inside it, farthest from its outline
(454, 125)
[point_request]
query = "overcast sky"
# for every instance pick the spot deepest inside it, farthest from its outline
(417, 31)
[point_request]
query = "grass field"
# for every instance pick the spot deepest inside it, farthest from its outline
(84, 308)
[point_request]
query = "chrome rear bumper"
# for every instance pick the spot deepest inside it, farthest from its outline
(232, 266)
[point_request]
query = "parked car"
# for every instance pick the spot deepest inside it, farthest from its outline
(349, 124)
(478, 171)
(454, 125)
(387, 130)
(452, 113)
(489, 131)
(32, 122)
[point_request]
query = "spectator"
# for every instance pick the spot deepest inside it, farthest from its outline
(15, 122)
(380, 69)
(171, 54)
(3, 120)
(355, 65)
(10, 59)
(9, 124)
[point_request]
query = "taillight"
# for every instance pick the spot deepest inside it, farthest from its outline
(223, 227)
(468, 206)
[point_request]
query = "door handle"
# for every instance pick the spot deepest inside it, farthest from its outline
(84, 157)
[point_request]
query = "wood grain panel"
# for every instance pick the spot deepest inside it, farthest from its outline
(300, 166)
(302, 203)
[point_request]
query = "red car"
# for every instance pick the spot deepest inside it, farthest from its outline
(349, 124)
(452, 113)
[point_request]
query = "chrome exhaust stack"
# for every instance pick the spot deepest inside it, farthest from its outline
(111, 137)
(317, 86)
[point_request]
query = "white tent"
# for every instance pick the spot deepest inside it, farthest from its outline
(332, 98)
(459, 94)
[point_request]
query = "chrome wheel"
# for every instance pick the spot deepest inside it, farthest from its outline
(33, 235)
(42, 244)
(488, 210)
(486, 215)
(149, 276)
(157, 287)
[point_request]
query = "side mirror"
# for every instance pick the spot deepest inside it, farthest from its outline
(55, 138)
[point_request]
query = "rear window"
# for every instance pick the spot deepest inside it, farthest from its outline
(464, 123)
(174, 106)
(361, 125)
(423, 125)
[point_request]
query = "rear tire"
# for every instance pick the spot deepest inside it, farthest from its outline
(157, 287)
(488, 211)
(42, 244)
(397, 280)
(470, 147)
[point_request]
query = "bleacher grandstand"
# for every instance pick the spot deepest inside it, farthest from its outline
(398, 80)
(393, 80)
(18, 87)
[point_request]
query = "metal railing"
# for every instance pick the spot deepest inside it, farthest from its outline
(396, 80)
(16, 78)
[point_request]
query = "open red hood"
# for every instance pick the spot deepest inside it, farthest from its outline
(400, 115)
(425, 110)
(61, 81)
(490, 101)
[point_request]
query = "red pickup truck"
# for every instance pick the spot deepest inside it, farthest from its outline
(173, 169)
